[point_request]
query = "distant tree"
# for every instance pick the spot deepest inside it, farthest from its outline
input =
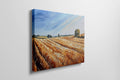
(35, 35)
(49, 36)
(58, 35)
(77, 33)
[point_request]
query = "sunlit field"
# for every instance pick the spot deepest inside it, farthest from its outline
(56, 52)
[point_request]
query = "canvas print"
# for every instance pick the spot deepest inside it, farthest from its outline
(57, 39)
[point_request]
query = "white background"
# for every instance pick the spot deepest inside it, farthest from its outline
(102, 43)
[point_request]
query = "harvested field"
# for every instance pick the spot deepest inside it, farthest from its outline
(56, 52)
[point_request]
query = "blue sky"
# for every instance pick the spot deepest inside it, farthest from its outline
(54, 23)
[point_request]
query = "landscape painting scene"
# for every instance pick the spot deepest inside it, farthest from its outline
(57, 39)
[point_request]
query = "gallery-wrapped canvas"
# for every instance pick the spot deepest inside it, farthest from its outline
(57, 39)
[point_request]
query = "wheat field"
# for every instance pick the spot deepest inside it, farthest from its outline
(56, 52)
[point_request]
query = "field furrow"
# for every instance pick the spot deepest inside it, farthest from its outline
(40, 60)
(70, 44)
(47, 53)
(73, 55)
(55, 52)
(58, 51)
(75, 40)
(34, 67)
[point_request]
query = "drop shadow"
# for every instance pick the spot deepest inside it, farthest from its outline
(56, 69)
(30, 41)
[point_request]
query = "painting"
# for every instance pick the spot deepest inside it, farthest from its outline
(57, 39)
